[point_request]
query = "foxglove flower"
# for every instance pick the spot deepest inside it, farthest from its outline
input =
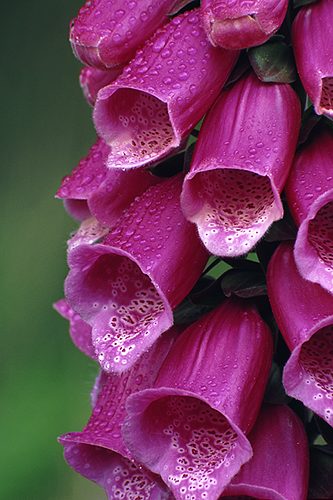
(309, 191)
(161, 95)
(240, 164)
(79, 330)
(93, 189)
(191, 426)
(92, 80)
(304, 314)
(106, 34)
(239, 24)
(312, 36)
(279, 468)
(127, 286)
(98, 452)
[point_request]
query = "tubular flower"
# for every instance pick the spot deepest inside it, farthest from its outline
(92, 80)
(240, 164)
(191, 426)
(127, 286)
(279, 468)
(79, 330)
(312, 36)
(309, 191)
(304, 314)
(163, 92)
(94, 189)
(106, 34)
(98, 452)
(239, 24)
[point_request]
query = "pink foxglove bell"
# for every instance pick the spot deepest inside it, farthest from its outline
(238, 24)
(279, 468)
(191, 426)
(92, 80)
(127, 286)
(107, 34)
(240, 165)
(309, 191)
(162, 94)
(304, 314)
(98, 452)
(312, 37)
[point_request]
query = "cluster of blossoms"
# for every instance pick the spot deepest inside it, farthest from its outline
(203, 265)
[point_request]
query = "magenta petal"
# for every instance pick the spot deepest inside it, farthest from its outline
(79, 330)
(127, 286)
(161, 95)
(90, 231)
(240, 164)
(239, 24)
(107, 34)
(92, 80)
(87, 176)
(190, 428)
(279, 468)
(304, 314)
(309, 193)
(98, 452)
(312, 36)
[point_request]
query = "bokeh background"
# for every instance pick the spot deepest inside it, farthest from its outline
(45, 129)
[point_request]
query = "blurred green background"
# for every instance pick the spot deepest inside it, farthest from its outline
(46, 128)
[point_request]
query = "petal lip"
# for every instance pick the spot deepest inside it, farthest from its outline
(232, 191)
(152, 107)
(309, 262)
(312, 37)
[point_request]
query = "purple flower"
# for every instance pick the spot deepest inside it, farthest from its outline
(127, 286)
(304, 314)
(98, 452)
(92, 80)
(163, 92)
(93, 189)
(240, 164)
(79, 330)
(239, 24)
(309, 191)
(106, 34)
(191, 426)
(312, 35)
(279, 468)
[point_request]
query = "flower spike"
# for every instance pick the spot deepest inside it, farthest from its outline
(98, 452)
(239, 24)
(309, 191)
(127, 286)
(312, 36)
(161, 95)
(279, 469)
(304, 315)
(240, 164)
(107, 34)
(191, 426)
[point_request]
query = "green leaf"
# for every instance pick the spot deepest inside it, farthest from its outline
(273, 62)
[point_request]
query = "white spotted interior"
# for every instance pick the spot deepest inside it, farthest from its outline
(326, 99)
(139, 127)
(316, 359)
(195, 443)
(129, 304)
(237, 208)
(320, 233)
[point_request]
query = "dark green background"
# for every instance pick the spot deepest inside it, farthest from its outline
(45, 129)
